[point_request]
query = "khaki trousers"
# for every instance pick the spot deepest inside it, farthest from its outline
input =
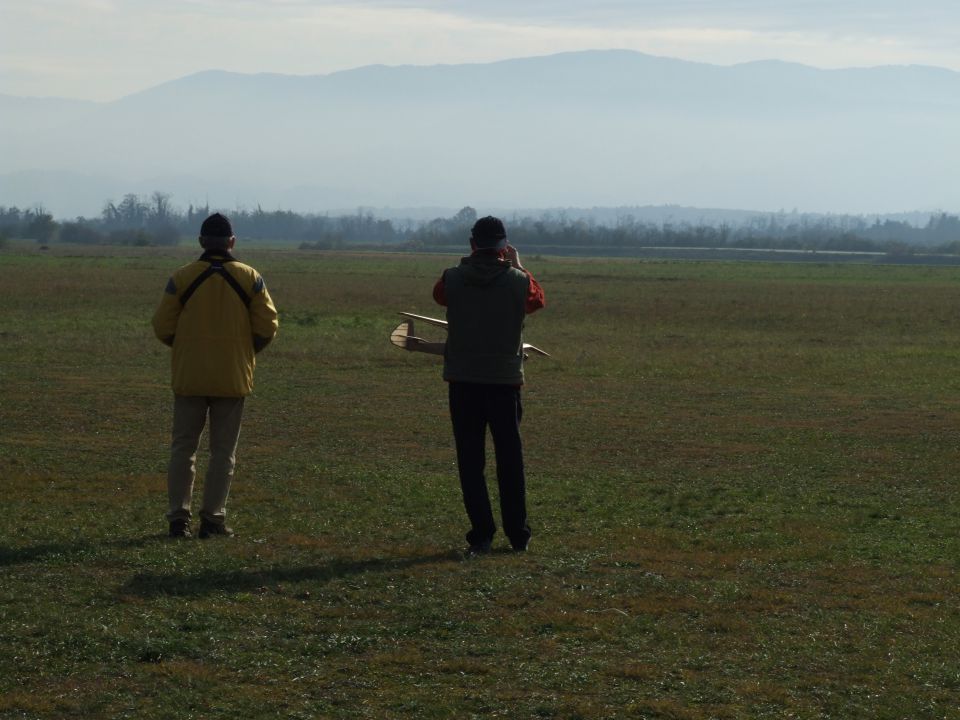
(189, 417)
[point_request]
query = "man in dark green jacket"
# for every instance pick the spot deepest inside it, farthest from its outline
(487, 297)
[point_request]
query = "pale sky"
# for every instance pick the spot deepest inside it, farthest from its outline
(105, 49)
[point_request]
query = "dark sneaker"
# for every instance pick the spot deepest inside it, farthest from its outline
(180, 529)
(209, 529)
(480, 548)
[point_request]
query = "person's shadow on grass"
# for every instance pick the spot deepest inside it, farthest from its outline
(65, 550)
(150, 584)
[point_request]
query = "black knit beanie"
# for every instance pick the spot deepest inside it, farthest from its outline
(216, 226)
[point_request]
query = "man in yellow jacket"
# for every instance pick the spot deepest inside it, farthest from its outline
(216, 314)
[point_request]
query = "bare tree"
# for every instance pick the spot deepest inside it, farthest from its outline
(161, 205)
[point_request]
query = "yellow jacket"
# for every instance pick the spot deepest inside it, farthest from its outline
(215, 325)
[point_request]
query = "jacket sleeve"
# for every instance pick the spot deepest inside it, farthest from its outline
(440, 291)
(535, 297)
(167, 313)
(263, 316)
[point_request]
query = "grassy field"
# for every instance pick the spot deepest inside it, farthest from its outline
(742, 485)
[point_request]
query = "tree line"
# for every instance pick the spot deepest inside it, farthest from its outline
(153, 220)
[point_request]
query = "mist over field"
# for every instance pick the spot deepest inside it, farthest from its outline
(581, 129)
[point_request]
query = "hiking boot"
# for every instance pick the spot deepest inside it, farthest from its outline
(480, 548)
(521, 546)
(180, 529)
(209, 529)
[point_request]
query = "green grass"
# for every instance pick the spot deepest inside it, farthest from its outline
(742, 485)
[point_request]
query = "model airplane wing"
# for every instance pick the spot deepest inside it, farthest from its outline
(424, 318)
(527, 347)
(402, 334)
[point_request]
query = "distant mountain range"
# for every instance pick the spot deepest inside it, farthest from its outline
(583, 129)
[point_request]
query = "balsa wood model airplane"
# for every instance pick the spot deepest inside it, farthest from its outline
(403, 337)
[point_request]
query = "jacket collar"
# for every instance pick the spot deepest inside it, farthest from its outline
(221, 255)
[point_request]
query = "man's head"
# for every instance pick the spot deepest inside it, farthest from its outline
(216, 233)
(488, 233)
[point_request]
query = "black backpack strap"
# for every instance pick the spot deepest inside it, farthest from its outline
(218, 268)
(232, 282)
(198, 281)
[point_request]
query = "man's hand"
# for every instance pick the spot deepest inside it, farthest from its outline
(511, 254)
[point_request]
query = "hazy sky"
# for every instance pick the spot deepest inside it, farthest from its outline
(104, 49)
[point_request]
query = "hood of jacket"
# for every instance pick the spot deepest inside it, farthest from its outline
(481, 269)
